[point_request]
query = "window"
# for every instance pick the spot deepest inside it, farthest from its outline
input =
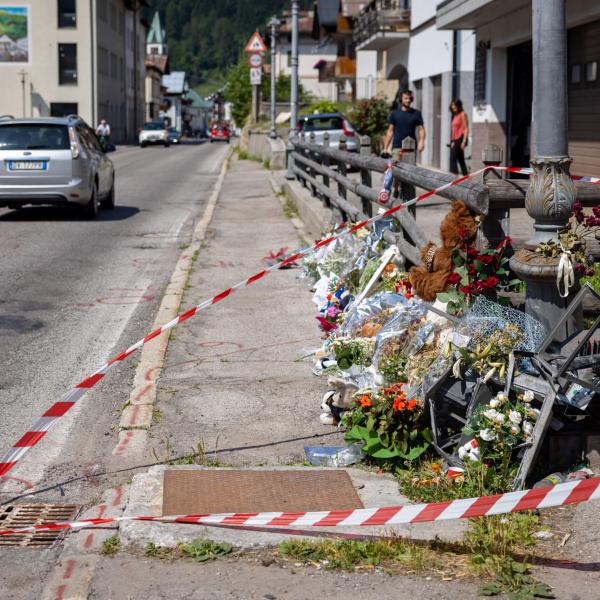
(102, 60)
(575, 73)
(67, 13)
(103, 10)
(67, 64)
(480, 73)
(591, 71)
(63, 109)
(113, 16)
(34, 137)
(154, 50)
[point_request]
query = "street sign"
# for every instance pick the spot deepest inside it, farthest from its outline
(255, 76)
(255, 44)
(255, 60)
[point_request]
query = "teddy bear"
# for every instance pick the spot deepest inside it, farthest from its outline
(336, 400)
(459, 226)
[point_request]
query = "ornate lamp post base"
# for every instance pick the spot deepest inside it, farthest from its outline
(542, 299)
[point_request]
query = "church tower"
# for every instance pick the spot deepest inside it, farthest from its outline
(156, 42)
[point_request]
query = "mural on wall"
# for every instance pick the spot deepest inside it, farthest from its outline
(14, 34)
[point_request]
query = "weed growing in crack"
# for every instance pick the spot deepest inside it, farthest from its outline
(110, 546)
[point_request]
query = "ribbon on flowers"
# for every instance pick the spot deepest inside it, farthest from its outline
(565, 274)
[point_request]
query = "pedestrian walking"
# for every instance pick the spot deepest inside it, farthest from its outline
(459, 137)
(103, 133)
(404, 121)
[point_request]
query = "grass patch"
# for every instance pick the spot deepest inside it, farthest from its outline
(593, 280)
(290, 208)
(157, 415)
(243, 155)
(110, 546)
(154, 551)
(349, 555)
(197, 456)
(202, 550)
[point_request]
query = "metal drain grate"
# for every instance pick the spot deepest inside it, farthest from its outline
(26, 515)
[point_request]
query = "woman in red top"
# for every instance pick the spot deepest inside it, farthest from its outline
(460, 135)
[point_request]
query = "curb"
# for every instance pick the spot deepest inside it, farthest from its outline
(136, 418)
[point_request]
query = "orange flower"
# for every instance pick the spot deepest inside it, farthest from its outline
(411, 404)
(436, 468)
(365, 401)
(398, 404)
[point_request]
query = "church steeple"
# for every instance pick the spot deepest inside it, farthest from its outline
(156, 41)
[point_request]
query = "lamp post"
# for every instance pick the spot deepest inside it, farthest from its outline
(294, 88)
(551, 194)
(273, 23)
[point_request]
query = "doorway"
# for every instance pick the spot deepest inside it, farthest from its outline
(436, 133)
(520, 98)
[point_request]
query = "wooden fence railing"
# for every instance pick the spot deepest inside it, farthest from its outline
(325, 171)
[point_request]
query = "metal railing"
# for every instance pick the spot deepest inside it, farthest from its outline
(381, 15)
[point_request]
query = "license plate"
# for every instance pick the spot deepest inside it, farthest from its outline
(27, 165)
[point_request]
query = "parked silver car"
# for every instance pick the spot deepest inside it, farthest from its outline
(54, 161)
(335, 125)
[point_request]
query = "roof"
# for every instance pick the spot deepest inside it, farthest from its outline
(157, 61)
(350, 8)
(174, 82)
(197, 101)
(305, 22)
(156, 34)
(327, 11)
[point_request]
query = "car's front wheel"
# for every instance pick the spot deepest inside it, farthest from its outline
(90, 210)
(109, 202)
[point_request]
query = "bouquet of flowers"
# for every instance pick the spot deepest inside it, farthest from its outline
(500, 426)
(388, 423)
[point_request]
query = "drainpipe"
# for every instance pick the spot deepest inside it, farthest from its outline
(135, 67)
(93, 57)
(455, 64)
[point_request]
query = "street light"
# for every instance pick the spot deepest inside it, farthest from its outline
(294, 90)
(273, 24)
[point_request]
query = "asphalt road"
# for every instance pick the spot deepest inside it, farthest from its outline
(73, 293)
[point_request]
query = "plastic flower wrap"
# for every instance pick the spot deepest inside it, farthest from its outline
(370, 316)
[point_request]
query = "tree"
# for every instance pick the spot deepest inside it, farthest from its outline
(239, 91)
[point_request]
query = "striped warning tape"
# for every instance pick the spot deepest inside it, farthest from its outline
(528, 171)
(562, 494)
(51, 417)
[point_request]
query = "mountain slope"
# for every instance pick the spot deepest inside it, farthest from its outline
(206, 37)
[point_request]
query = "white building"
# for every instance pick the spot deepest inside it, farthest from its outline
(310, 54)
(399, 47)
(78, 57)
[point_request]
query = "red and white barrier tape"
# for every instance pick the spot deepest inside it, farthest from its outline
(559, 495)
(50, 418)
(528, 171)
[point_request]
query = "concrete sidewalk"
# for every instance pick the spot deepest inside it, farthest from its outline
(231, 381)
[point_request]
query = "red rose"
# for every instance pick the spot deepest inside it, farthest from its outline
(486, 259)
(453, 278)
(472, 253)
(467, 289)
(490, 283)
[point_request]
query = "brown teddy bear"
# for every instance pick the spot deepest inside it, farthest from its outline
(459, 226)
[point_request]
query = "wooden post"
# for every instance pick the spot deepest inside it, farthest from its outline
(408, 156)
(365, 179)
(496, 225)
(342, 188)
(326, 163)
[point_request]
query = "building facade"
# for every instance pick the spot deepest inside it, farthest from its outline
(503, 77)
(78, 57)
(157, 56)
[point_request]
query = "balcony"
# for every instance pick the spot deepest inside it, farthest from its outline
(381, 24)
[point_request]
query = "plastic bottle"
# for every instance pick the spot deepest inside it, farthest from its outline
(550, 480)
(388, 179)
(579, 473)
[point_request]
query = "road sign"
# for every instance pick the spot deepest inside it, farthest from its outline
(255, 76)
(255, 44)
(255, 60)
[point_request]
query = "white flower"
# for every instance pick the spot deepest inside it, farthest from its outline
(487, 435)
(490, 413)
(527, 427)
(515, 417)
(501, 397)
(533, 413)
(500, 418)
(462, 452)
(528, 396)
(515, 429)
(494, 402)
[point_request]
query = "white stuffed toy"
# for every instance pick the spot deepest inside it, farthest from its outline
(469, 450)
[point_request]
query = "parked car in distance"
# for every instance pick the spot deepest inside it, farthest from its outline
(335, 125)
(220, 133)
(154, 133)
(173, 135)
(54, 160)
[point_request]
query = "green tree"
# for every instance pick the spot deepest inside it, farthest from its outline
(283, 90)
(370, 117)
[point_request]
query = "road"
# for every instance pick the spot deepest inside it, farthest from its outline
(74, 292)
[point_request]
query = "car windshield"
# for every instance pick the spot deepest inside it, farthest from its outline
(34, 137)
(153, 126)
(321, 123)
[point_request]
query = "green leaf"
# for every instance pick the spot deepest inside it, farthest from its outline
(490, 589)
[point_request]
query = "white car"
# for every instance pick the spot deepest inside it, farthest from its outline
(154, 133)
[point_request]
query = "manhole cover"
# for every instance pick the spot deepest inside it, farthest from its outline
(225, 490)
(26, 515)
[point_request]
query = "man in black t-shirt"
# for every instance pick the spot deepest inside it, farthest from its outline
(404, 122)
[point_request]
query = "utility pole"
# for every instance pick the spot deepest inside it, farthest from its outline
(273, 23)
(551, 194)
(294, 90)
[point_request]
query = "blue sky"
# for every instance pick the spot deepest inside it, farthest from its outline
(17, 10)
